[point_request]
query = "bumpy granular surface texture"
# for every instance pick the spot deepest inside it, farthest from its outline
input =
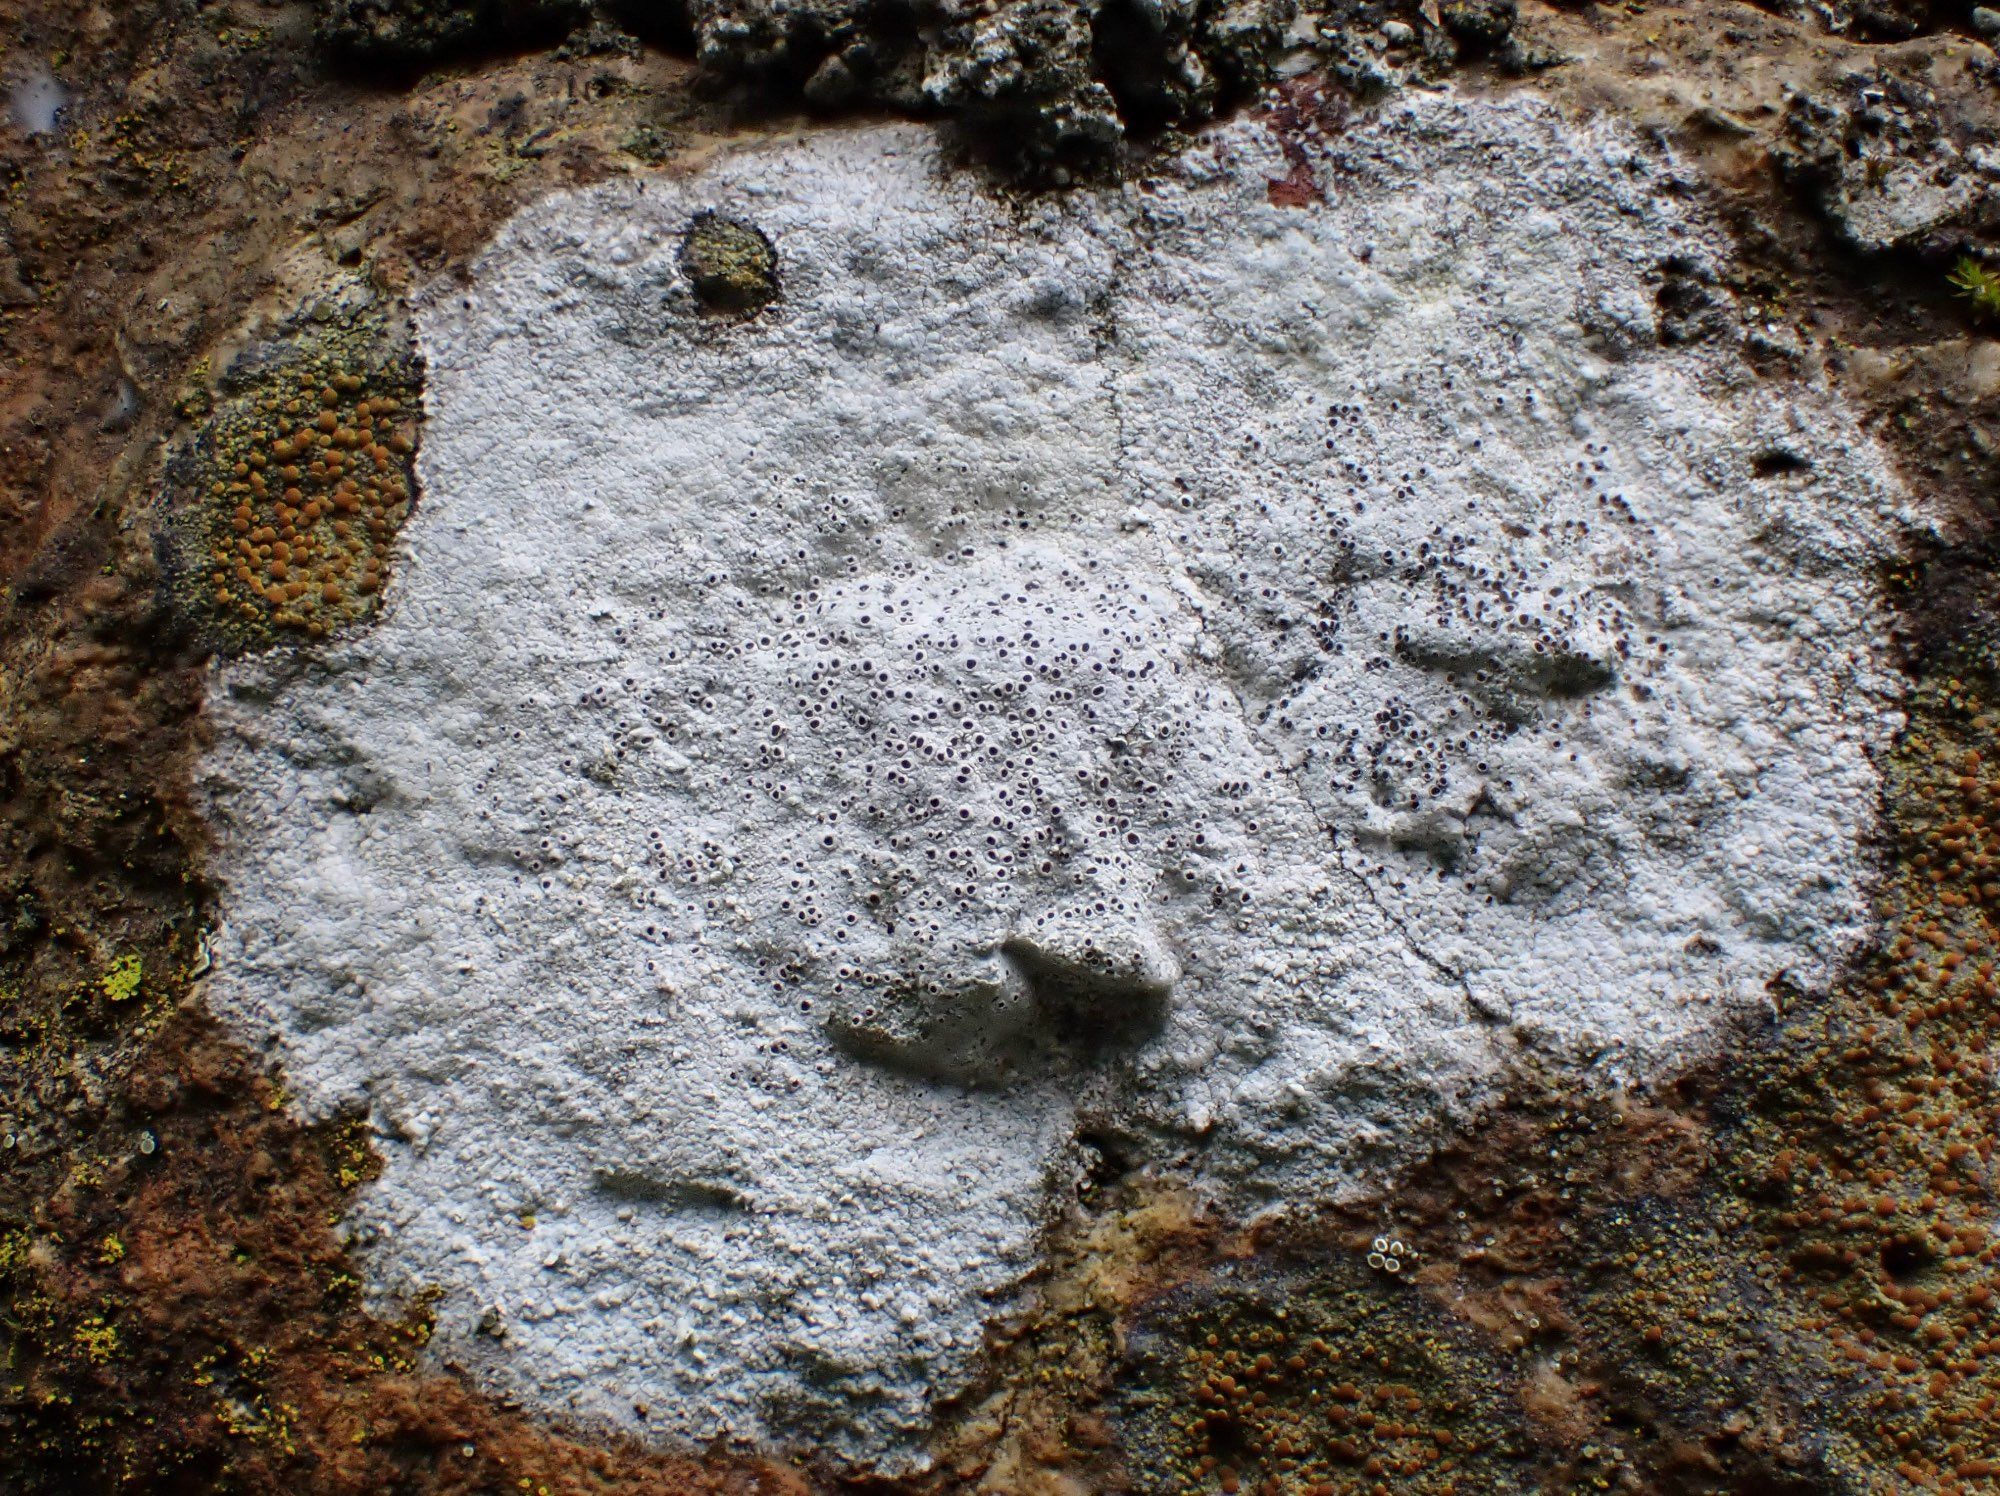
(1893, 168)
(1226, 666)
(284, 506)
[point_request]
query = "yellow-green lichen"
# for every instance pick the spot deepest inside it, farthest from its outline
(1337, 1380)
(349, 1155)
(731, 265)
(96, 1340)
(122, 981)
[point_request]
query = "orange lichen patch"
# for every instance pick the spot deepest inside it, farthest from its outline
(213, 1347)
(1343, 1380)
(1869, 1159)
(290, 499)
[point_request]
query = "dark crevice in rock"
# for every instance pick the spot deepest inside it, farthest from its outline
(1046, 86)
(415, 34)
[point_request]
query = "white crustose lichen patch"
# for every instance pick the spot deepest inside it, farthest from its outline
(1146, 661)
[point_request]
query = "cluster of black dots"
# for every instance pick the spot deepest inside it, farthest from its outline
(944, 761)
(881, 765)
(909, 747)
(1479, 644)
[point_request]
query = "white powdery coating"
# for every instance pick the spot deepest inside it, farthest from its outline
(1150, 660)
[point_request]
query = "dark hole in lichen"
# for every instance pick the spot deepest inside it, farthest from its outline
(641, 1188)
(1130, 55)
(1777, 462)
(1568, 675)
(1112, 1155)
(1904, 1258)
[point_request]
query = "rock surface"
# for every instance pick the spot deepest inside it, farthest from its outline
(1221, 666)
(1892, 168)
(1055, 80)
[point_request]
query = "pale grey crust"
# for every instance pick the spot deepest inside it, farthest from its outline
(1231, 671)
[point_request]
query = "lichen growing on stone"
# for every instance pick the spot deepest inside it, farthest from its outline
(121, 980)
(1316, 1380)
(282, 509)
(1095, 663)
(730, 264)
(1865, 1157)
